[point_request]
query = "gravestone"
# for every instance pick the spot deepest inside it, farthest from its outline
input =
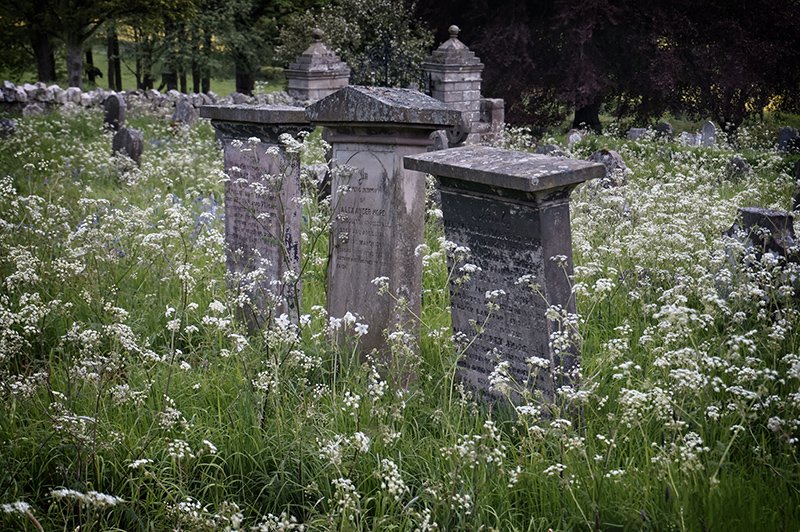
(635, 133)
(317, 73)
(737, 167)
(130, 142)
(796, 194)
(788, 139)
(379, 221)
(615, 166)
(573, 137)
(708, 134)
(690, 139)
(766, 231)
(511, 209)
(262, 214)
(115, 112)
(185, 113)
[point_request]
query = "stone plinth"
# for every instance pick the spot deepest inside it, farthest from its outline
(379, 220)
(262, 216)
(317, 73)
(511, 209)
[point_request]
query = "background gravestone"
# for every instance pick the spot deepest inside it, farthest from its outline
(788, 139)
(511, 209)
(379, 221)
(185, 113)
(708, 134)
(130, 142)
(115, 111)
(262, 216)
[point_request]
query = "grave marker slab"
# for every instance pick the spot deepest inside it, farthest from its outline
(511, 209)
(708, 134)
(115, 111)
(379, 221)
(262, 215)
(130, 142)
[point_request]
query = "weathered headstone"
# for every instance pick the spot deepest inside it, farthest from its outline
(185, 113)
(130, 142)
(766, 231)
(317, 73)
(511, 209)
(115, 111)
(788, 139)
(635, 133)
(613, 162)
(262, 211)
(737, 167)
(379, 220)
(708, 134)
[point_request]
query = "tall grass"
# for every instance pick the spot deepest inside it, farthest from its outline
(134, 400)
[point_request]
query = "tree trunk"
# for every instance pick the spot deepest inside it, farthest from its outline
(205, 85)
(74, 63)
(245, 80)
(45, 59)
(588, 116)
(195, 76)
(91, 73)
(114, 65)
(182, 80)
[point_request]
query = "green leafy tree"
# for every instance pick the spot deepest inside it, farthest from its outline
(381, 40)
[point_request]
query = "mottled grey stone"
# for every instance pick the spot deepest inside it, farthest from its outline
(185, 113)
(511, 209)
(573, 137)
(737, 167)
(130, 142)
(379, 208)
(766, 231)
(20, 95)
(690, 139)
(115, 111)
(708, 134)
(551, 149)
(262, 214)
(616, 169)
(238, 98)
(33, 109)
(383, 105)
(635, 133)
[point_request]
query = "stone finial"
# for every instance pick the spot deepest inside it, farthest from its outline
(317, 73)
(454, 31)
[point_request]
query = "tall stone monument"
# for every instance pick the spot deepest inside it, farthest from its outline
(454, 77)
(511, 209)
(262, 216)
(379, 206)
(317, 73)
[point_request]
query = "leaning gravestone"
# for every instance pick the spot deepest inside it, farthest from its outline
(708, 134)
(615, 166)
(511, 209)
(130, 142)
(262, 211)
(379, 221)
(115, 111)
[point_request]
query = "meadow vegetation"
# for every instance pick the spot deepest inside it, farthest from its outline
(133, 399)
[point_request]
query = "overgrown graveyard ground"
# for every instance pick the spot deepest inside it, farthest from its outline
(134, 400)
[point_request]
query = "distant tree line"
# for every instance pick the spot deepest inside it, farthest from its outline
(719, 59)
(723, 59)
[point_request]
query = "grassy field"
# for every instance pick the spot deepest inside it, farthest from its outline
(135, 400)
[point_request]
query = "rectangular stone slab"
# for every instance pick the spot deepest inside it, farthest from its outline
(511, 209)
(513, 170)
(258, 114)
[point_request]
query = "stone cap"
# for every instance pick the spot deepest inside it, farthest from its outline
(453, 52)
(260, 114)
(382, 105)
(318, 59)
(495, 167)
